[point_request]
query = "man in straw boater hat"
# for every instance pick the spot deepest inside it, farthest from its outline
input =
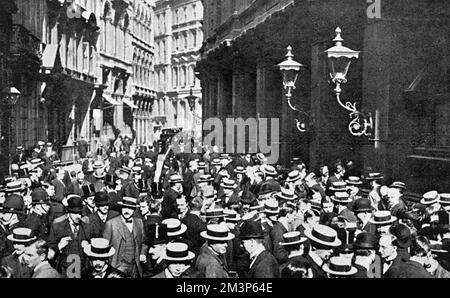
(323, 239)
(99, 251)
(68, 235)
(38, 220)
(339, 267)
(126, 235)
(101, 214)
(20, 238)
(285, 218)
(263, 263)
(293, 243)
(341, 200)
(10, 218)
(169, 203)
(179, 262)
(229, 190)
(383, 220)
(444, 213)
(270, 184)
(396, 204)
(99, 174)
(211, 261)
(430, 203)
(354, 183)
(366, 246)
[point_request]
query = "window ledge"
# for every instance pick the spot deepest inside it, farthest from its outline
(429, 158)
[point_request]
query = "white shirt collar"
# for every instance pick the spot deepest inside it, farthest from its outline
(168, 274)
(315, 258)
(255, 254)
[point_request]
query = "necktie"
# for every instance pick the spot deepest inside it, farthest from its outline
(76, 228)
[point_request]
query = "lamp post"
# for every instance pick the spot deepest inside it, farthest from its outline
(9, 97)
(339, 60)
(191, 101)
(289, 69)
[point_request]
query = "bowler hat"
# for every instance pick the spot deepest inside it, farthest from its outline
(101, 199)
(39, 196)
(362, 205)
(99, 248)
(251, 230)
(402, 234)
(217, 232)
(74, 204)
(366, 240)
(128, 202)
(21, 235)
(88, 190)
(13, 204)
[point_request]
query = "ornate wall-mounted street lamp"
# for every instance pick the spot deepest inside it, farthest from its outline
(339, 60)
(289, 69)
(8, 98)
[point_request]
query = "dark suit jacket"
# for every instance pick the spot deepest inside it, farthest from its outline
(39, 224)
(361, 273)
(395, 263)
(276, 236)
(169, 204)
(191, 272)
(60, 190)
(46, 271)
(192, 236)
(265, 266)
(110, 272)
(409, 269)
(97, 225)
(61, 228)
(317, 270)
(210, 265)
(444, 217)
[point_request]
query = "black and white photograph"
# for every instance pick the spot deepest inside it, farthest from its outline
(240, 141)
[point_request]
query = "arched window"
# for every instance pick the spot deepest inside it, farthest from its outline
(177, 18)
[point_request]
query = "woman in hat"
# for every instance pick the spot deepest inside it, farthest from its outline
(210, 259)
(179, 262)
(99, 251)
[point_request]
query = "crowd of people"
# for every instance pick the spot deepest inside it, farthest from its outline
(214, 215)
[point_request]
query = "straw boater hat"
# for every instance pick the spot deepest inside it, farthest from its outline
(261, 157)
(228, 183)
(374, 176)
(339, 266)
(444, 198)
(125, 169)
(214, 213)
(137, 170)
(178, 251)
(286, 194)
(292, 238)
(201, 165)
(231, 215)
(339, 186)
(15, 186)
(174, 227)
(429, 198)
(398, 184)
(99, 248)
(239, 170)
(271, 207)
(293, 176)
(21, 235)
(323, 235)
(128, 202)
(175, 179)
(382, 218)
(98, 165)
(353, 180)
(268, 170)
(341, 197)
(205, 178)
(217, 232)
(209, 193)
(216, 162)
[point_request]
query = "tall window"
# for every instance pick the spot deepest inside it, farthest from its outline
(185, 15)
(194, 38)
(194, 11)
